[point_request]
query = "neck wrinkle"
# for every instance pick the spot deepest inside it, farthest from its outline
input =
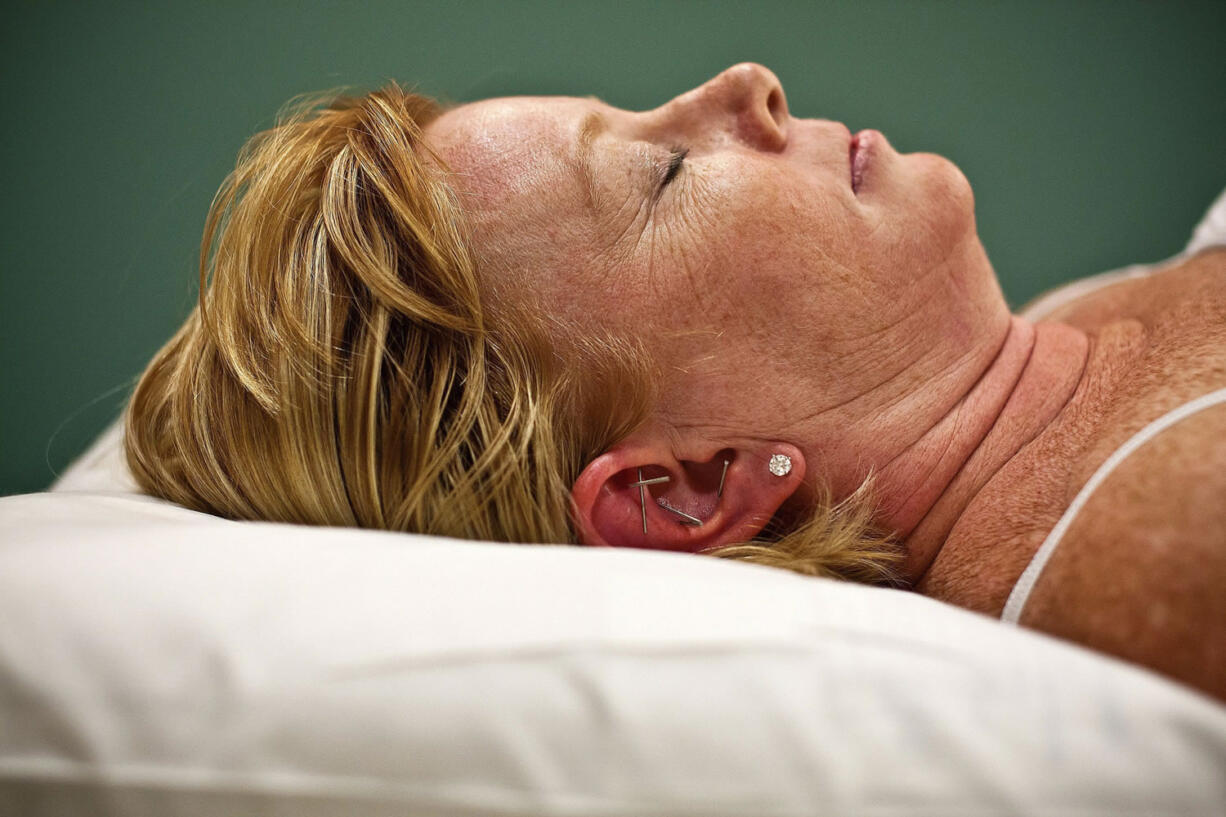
(915, 479)
(1036, 398)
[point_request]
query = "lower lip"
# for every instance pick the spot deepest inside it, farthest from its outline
(862, 146)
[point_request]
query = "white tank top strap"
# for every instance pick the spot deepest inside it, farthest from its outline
(1021, 591)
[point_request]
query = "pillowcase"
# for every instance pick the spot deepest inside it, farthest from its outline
(158, 661)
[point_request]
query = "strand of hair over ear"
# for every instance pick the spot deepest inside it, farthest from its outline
(834, 540)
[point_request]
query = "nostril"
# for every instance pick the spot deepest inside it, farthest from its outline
(755, 99)
(777, 106)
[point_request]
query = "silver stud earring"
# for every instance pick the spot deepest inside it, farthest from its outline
(722, 477)
(780, 465)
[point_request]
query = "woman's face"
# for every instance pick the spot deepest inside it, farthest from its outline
(779, 267)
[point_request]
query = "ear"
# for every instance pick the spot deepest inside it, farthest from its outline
(610, 509)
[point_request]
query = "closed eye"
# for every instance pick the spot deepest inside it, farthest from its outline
(675, 160)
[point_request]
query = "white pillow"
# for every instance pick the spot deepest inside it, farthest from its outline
(156, 661)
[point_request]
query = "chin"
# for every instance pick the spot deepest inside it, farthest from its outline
(950, 236)
(944, 179)
(947, 195)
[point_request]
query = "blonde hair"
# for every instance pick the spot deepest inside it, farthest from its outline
(341, 367)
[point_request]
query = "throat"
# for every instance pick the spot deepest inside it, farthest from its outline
(1021, 393)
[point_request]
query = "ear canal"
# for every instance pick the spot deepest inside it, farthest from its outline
(683, 517)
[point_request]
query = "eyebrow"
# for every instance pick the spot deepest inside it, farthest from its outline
(593, 125)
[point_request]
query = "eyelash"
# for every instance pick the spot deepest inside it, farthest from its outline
(674, 165)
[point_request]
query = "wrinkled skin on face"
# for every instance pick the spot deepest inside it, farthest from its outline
(783, 301)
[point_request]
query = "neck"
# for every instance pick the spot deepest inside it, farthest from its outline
(927, 488)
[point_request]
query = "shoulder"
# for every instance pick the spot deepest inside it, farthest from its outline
(1141, 573)
(1153, 294)
(1049, 304)
(1209, 234)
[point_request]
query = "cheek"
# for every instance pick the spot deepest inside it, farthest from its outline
(787, 228)
(758, 261)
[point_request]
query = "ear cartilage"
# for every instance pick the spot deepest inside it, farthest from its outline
(642, 500)
(722, 477)
(652, 481)
(686, 519)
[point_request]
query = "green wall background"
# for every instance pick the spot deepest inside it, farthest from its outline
(1092, 133)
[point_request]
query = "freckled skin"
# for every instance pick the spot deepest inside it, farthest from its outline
(865, 331)
(1140, 572)
(782, 304)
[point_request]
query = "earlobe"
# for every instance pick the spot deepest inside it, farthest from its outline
(641, 495)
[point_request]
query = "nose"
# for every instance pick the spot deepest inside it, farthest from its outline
(747, 99)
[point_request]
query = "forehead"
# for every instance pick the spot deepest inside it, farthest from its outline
(508, 146)
(521, 196)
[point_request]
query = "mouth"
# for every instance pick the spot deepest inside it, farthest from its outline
(859, 151)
